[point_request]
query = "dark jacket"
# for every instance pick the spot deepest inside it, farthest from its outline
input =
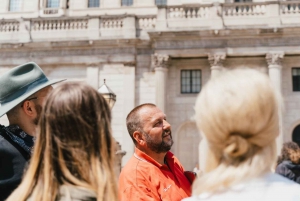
(289, 170)
(12, 164)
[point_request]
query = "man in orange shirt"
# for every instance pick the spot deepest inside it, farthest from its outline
(153, 172)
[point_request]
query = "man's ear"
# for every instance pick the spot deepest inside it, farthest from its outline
(139, 138)
(28, 108)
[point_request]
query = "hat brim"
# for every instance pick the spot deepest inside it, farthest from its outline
(8, 106)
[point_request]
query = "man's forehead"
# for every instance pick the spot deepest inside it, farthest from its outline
(151, 113)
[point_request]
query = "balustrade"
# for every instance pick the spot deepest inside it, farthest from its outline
(49, 11)
(147, 23)
(290, 8)
(12, 26)
(114, 23)
(43, 25)
(244, 9)
(189, 12)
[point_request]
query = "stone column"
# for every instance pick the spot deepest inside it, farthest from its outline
(128, 105)
(92, 75)
(216, 62)
(274, 60)
(160, 64)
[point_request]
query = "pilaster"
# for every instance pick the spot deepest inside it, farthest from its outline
(92, 75)
(216, 62)
(274, 60)
(160, 64)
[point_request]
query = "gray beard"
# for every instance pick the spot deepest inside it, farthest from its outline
(162, 147)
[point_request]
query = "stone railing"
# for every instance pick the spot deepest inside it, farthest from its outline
(112, 23)
(9, 26)
(70, 24)
(244, 9)
(147, 22)
(168, 18)
(183, 12)
(50, 11)
(290, 8)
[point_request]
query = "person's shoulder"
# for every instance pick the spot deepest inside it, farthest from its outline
(136, 165)
(278, 183)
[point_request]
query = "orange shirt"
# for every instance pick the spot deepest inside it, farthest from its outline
(143, 178)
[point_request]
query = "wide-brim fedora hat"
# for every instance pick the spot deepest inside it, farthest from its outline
(19, 83)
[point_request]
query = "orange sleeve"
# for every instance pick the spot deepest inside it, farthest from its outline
(138, 193)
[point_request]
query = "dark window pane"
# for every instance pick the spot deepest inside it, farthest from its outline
(94, 3)
(127, 2)
(190, 81)
(296, 79)
(52, 4)
(296, 135)
(161, 2)
(15, 5)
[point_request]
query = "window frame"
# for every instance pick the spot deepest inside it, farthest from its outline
(93, 6)
(166, 3)
(298, 68)
(46, 4)
(21, 6)
(123, 5)
(191, 80)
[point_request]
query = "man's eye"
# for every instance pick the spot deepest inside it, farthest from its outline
(158, 123)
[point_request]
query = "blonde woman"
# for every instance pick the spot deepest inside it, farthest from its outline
(74, 153)
(237, 113)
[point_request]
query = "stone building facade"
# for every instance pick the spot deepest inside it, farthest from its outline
(158, 51)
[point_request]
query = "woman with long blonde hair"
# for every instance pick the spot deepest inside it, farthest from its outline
(74, 151)
(238, 114)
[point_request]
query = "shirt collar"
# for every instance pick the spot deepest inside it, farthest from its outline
(144, 157)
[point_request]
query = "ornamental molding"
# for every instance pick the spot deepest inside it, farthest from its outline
(64, 53)
(160, 60)
(216, 59)
(274, 58)
(223, 43)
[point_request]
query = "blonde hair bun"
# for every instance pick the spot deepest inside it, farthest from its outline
(236, 146)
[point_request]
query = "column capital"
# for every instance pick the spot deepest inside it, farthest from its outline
(160, 60)
(216, 59)
(274, 58)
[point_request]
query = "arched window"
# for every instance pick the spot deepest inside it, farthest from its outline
(52, 4)
(15, 5)
(93, 3)
(296, 134)
(188, 140)
(127, 2)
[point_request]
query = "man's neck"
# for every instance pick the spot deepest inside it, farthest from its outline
(27, 128)
(160, 158)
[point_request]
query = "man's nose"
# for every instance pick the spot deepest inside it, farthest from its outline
(166, 126)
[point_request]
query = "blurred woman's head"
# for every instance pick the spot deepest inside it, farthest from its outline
(289, 151)
(238, 114)
(74, 145)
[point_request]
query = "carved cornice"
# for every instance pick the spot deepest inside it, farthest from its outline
(67, 52)
(274, 58)
(216, 59)
(160, 60)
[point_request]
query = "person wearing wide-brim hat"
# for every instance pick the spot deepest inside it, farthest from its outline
(22, 92)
